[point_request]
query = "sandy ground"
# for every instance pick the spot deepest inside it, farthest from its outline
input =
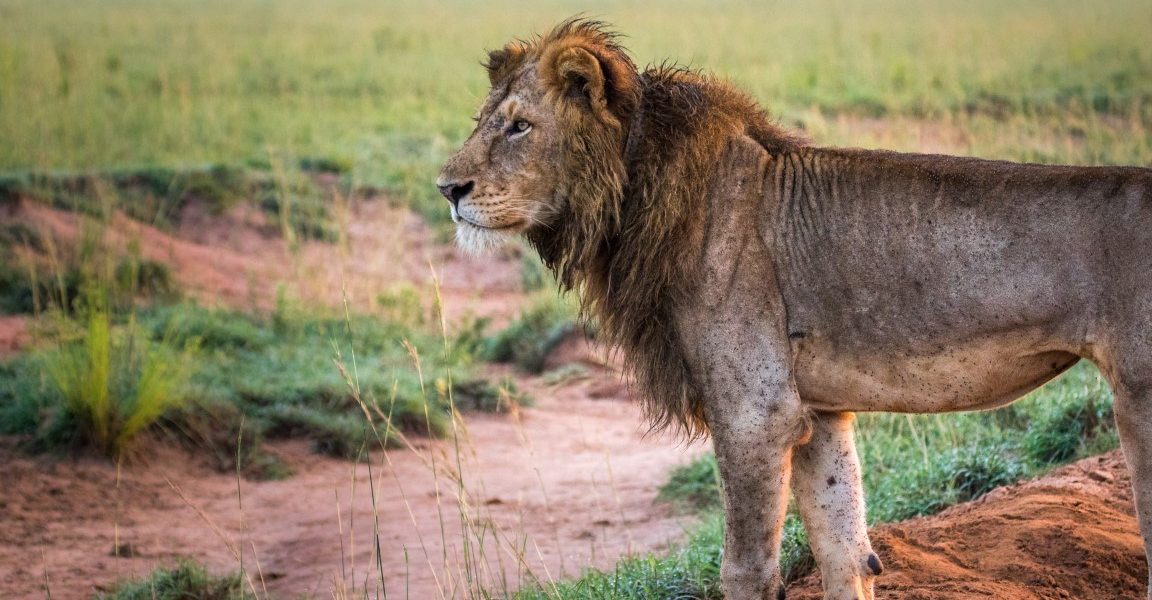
(1069, 535)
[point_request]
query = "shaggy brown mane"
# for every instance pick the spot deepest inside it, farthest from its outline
(630, 241)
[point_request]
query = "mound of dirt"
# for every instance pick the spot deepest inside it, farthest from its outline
(1071, 534)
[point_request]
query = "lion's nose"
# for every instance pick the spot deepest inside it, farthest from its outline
(454, 192)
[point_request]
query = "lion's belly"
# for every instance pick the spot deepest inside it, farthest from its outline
(968, 376)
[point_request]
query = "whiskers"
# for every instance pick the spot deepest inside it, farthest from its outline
(518, 216)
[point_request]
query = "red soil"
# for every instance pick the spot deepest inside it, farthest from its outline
(1069, 535)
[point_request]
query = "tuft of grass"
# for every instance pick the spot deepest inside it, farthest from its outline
(112, 387)
(535, 332)
(485, 396)
(695, 486)
(185, 581)
(214, 430)
(691, 570)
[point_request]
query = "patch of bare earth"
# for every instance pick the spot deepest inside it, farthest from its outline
(1069, 535)
(14, 334)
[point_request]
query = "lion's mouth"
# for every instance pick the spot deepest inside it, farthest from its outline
(464, 221)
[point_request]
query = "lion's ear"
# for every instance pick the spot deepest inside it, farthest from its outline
(501, 62)
(576, 74)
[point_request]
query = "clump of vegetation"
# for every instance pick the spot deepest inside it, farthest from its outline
(535, 332)
(250, 377)
(112, 387)
(222, 434)
(695, 485)
(185, 581)
(691, 570)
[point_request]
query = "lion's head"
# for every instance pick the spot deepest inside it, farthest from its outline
(546, 156)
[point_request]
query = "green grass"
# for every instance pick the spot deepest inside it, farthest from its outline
(539, 327)
(113, 385)
(276, 373)
(185, 581)
(385, 89)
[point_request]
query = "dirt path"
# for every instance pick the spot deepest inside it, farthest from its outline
(568, 484)
(1069, 535)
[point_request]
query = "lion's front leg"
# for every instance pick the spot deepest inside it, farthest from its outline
(829, 494)
(753, 437)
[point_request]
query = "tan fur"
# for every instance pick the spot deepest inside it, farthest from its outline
(762, 290)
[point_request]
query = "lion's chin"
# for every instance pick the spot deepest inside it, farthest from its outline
(481, 240)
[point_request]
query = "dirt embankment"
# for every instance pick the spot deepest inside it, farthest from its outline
(1070, 535)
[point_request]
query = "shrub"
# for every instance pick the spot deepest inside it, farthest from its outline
(185, 581)
(535, 332)
(113, 387)
(695, 485)
(1067, 431)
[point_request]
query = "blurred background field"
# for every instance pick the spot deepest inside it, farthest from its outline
(216, 222)
(385, 88)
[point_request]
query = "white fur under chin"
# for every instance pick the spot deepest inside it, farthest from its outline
(479, 241)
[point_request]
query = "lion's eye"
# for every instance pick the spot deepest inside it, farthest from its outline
(519, 127)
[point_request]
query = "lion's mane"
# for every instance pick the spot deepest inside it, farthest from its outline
(630, 241)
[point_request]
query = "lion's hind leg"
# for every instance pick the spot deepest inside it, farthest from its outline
(826, 483)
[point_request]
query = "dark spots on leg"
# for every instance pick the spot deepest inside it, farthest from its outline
(874, 564)
(831, 481)
(796, 335)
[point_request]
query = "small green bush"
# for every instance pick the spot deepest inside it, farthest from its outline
(113, 386)
(1067, 431)
(185, 581)
(534, 334)
(695, 485)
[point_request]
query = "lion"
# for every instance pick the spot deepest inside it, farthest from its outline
(763, 290)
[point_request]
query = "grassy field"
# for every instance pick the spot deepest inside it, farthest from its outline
(382, 92)
(387, 87)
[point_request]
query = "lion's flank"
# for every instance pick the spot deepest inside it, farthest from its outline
(642, 150)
